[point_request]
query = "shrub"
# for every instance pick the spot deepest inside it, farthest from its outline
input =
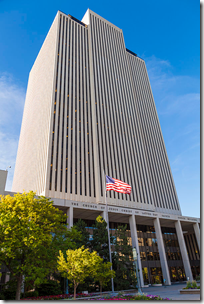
(194, 284)
(2, 296)
(49, 288)
(8, 291)
(188, 285)
(127, 297)
(120, 294)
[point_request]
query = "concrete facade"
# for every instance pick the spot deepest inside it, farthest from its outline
(183, 249)
(197, 233)
(3, 177)
(162, 253)
(133, 230)
(89, 109)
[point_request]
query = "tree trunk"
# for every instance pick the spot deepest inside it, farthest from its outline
(19, 283)
(101, 289)
(75, 287)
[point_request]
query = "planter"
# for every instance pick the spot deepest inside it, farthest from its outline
(144, 286)
(157, 284)
(190, 291)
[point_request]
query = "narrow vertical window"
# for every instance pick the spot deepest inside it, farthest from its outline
(63, 109)
(68, 107)
(59, 107)
(54, 114)
(72, 97)
(76, 101)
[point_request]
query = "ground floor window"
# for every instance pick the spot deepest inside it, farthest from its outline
(145, 275)
(156, 275)
(195, 271)
(177, 274)
(152, 275)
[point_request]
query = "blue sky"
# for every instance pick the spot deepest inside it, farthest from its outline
(166, 34)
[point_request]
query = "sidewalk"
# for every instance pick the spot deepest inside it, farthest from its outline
(171, 292)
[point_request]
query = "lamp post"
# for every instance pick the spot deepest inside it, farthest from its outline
(164, 283)
(109, 244)
(135, 256)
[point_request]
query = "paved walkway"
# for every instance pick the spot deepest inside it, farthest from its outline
(171, 292)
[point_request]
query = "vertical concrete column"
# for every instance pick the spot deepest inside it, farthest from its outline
(197, 233)
(70, 217)
(133, 231)
(3, 177)
(183, 250)
(162, 253)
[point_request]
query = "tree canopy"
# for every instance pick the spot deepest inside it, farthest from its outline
(78, 265)
(100, 238)
(32, 231)
(80, 226)
(103, 273)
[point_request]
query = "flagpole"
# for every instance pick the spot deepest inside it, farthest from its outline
(109, 245)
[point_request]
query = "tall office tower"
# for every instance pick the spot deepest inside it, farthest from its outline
(89, 109)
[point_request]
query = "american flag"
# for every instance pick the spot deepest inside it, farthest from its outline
(117, 185)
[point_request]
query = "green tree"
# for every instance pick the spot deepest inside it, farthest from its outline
(103, 273)
(31, 231)
(80, 226)
(123, 260)
(78, 265)
(100, 238)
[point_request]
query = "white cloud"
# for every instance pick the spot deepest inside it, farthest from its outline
(184, 104)
(165, 82)
(191, 128)
(8, 151)
(12, 98)
(177, 99)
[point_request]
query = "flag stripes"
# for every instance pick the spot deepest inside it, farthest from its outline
(117, 185)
